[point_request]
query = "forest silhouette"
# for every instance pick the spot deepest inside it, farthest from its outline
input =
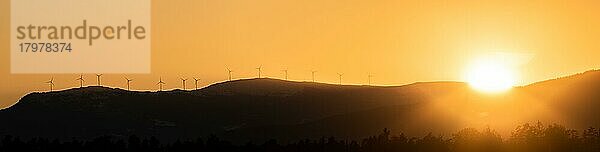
(527, 137)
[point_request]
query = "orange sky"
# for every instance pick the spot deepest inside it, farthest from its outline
(399, 42)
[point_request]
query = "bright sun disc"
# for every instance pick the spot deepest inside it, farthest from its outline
(490, 77)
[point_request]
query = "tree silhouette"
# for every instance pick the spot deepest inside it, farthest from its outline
(524, 138)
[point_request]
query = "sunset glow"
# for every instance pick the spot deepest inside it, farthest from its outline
(300, 75)
(491, 76)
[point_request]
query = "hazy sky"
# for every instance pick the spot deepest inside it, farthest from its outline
(399, 42)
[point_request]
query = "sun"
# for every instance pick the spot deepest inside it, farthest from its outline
(491, 76)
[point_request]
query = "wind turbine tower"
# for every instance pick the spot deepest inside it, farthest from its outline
(51, 83)
(160, 84)
(98, 78)
(80, 79)
(229, 71)
(259, 70)
(286, 74)
(340, 76)
(196, 83)
(313, 75)
(183, 82)
(370, 76)
(128, 81)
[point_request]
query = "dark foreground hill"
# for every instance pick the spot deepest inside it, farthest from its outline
(259, 109)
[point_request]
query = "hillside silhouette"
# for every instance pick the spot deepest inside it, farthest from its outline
(261, 109)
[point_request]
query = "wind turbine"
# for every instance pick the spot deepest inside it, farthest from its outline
(128, 81)
(259, 70)
(51, 83)
(313, 75)
(340, 76)
(196, 83)
(183, 82)
(370, 76)
(160, 84)
(286, 74)
(98, 78)
(229, 71)
(80, 79)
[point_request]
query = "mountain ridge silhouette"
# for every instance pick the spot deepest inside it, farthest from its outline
(257, 109)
